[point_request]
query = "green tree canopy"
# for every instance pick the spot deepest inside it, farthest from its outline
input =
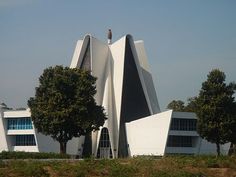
(64, 106)
(176, 105)
(191, 105)
(216, 110)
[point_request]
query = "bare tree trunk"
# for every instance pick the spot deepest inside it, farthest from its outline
(218, 149)
(63, 147)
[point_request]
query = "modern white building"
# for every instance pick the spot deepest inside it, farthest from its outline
(17, 133)
(125, 88)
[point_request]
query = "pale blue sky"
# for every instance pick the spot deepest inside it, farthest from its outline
(184, 40)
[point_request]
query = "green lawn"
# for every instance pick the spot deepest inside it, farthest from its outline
(176, 166)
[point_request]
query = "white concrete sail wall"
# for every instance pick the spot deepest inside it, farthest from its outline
(108, 66)
(139, 45)
(140, 73)
(110, 123)
(74, 61)
(101, 69)
(106, 105)
(148, 136)
(117, 71)
(79, 51)
(117, 55)
(99, 57)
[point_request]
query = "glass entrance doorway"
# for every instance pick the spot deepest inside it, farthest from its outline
(104, 149)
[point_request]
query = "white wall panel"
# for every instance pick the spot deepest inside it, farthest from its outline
(148, 136)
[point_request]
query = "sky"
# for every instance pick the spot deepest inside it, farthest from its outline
(184, 40)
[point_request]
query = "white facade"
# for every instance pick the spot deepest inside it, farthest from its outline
(125, 88)
(17, 134)
(135, 124)
(148, 136)
(154, 135)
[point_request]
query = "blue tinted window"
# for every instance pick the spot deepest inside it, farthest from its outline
(19, 123)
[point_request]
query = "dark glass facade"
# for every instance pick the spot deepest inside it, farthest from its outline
(183, 124)
(180, 141)
(25, 140)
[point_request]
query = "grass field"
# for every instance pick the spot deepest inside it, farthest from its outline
(176, 166)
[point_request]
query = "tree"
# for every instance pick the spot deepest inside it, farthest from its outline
(232, 132)
(64, 106)
(216, 110)
(191, 105)
(176, 105)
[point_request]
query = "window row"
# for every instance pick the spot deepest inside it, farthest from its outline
(183, 124)
(180, 141)
(25, 140)
(19, 123)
